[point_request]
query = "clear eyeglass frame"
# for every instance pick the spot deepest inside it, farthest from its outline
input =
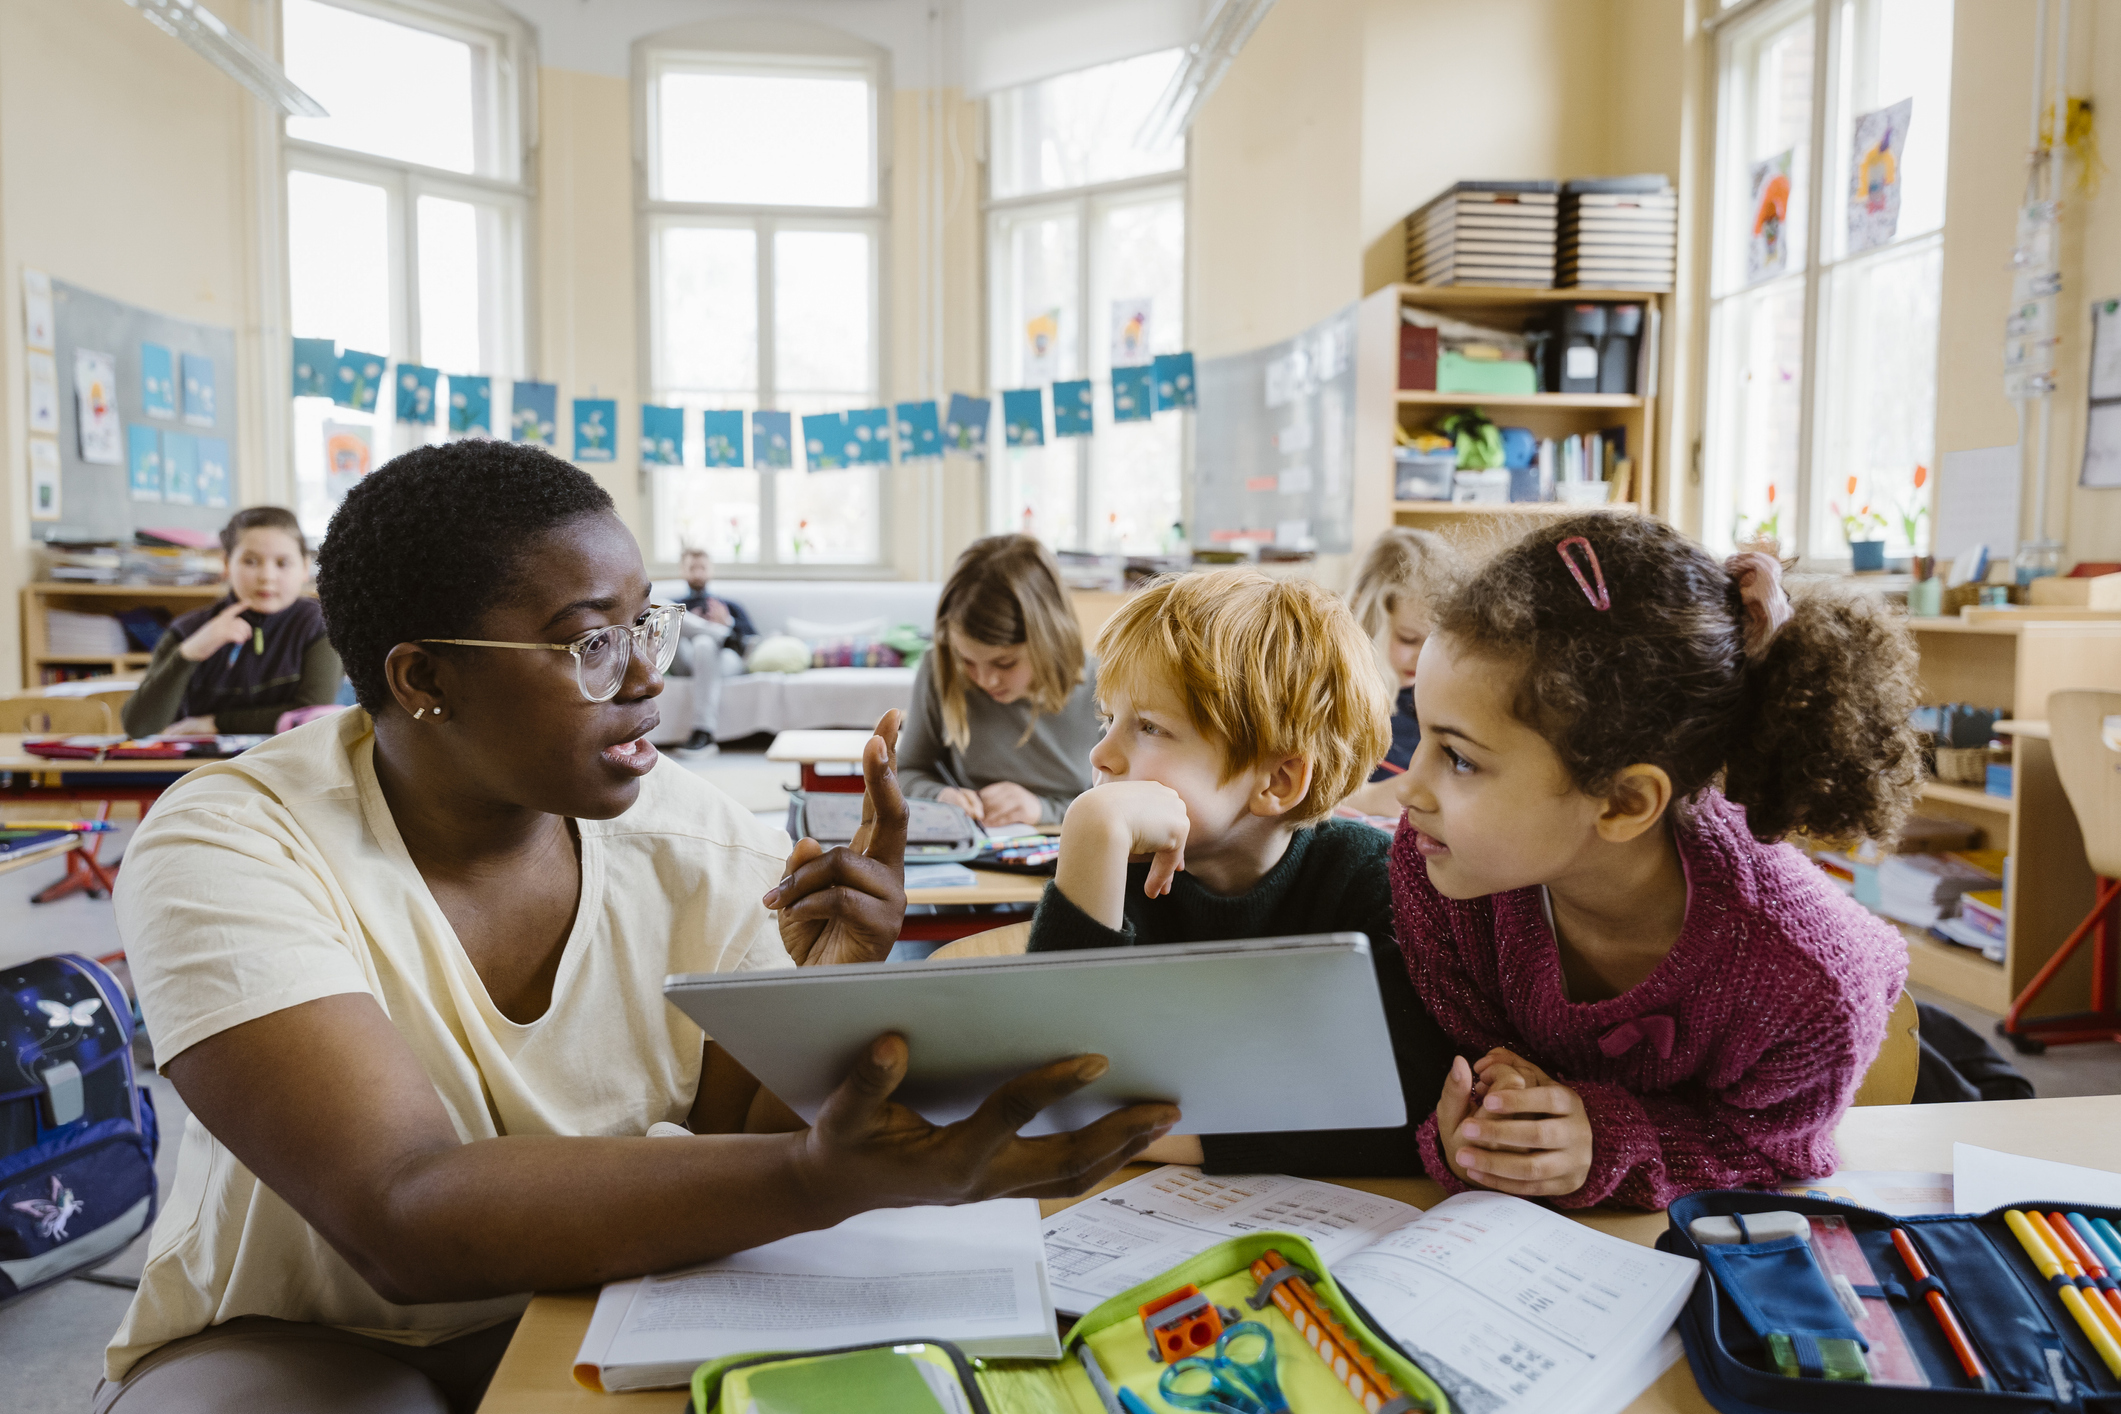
(602, 655)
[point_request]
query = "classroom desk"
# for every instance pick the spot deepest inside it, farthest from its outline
(37, 779)
(992, 886)
(536, 1375)
(38, 856)
(811, 749)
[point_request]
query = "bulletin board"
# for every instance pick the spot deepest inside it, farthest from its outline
(97, 500)
(1274, 453)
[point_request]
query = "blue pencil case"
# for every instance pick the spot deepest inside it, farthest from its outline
(2040, 1361)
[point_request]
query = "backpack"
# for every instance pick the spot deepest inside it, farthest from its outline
(77, 1134)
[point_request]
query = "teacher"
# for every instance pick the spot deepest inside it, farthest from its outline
(404, 965)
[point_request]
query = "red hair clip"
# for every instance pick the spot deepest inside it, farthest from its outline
(1598, 596)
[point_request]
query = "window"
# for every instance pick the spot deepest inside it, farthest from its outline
(764, 257)
(405, 211)
(1826, 272)
(1083, 223)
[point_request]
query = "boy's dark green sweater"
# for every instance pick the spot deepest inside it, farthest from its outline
(1332, 879)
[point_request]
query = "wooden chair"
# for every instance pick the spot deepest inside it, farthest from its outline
(1891, 1078)
(45, 716)
(995, 942)
(2088, 759)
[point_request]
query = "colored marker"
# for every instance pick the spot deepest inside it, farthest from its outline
(2050, 1267)
(1942, 1309)
(2073, 1273)
(2105, 1250)
(79, 827)
(1132, 1402)
(2110, 1234)
(2088, 1259)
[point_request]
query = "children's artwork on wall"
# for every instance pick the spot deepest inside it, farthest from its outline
(348, 453)
(920, 431)
(596, 429)
(43, 393)
(869, 437)
(662, 435)
(416, 393)
(1024, 417)
(825, 441)
(180, 468)
(723, 430)
(316, 365)
(772, 441)
(1173, 374)
(1767, 253)
(213, 471)
(1133, 393)
(1042, 347)
(38, 327)
(965, 430)
(1131, 330)
(534, 416)
(1877, 147)
(1071, 409)
(43, 479)
(96, 408)
(143, 447)
(470, 404)
(357, 380)
(198, 389)
(158, 381)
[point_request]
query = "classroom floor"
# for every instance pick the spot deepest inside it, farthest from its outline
(51, 1344)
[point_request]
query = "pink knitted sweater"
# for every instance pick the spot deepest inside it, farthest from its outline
(1728, 1066)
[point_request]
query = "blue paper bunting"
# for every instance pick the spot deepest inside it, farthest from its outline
(316, 364)
(1133, 394)
(869, 437)
(772, 441)
(662, 435)
(920, 431)
(416, 393)
(1071, 409)
(966, 428)
(1174, 381)
(825, 441)
(596, 429)
(724, 432)
(357, 380)
(534, 414)
(470, 403)
(1024, 417)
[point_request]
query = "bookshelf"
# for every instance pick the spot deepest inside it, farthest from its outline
(98, 599)
(1384, 406)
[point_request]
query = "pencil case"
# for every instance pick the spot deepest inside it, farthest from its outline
(1313, 1383)
(2037, 1356)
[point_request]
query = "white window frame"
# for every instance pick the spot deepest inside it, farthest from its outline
(657, 215)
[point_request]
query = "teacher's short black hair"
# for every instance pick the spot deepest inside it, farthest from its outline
(429, 541)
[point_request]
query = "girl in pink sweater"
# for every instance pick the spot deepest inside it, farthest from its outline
(1654, 997)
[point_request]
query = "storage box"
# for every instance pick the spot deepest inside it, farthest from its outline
(1417, 358)
(2093, 592)
(1455, 373)
(1423, 476)
(1481, 488)
(1999, 780)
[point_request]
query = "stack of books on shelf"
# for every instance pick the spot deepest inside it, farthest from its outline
(1926, 889)
(1619, 233)
(71, 635)
(1979, 924)
(169, 564)
(83, 564)
(1485, 233)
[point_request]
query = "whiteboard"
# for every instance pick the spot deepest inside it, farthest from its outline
(1977, 503)
(95, 501)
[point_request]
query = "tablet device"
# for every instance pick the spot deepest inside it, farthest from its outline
(1256, 1035)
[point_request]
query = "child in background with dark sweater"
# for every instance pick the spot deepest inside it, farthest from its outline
(1654, 997)
(1406, 575)
(1241, 710)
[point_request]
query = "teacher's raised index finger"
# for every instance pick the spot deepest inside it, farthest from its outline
(884, 804)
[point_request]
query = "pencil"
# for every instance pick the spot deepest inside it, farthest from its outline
(2050, 1267)
(1942, 1309)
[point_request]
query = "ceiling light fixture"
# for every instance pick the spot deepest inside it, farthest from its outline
(231, 53)
(1208, 58)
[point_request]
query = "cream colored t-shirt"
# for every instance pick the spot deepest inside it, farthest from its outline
(279, 877)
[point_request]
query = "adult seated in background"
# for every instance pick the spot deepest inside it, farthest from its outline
(404, 965)
(709, 626)
(1005, 705)
(237, 665)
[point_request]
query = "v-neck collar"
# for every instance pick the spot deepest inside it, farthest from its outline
(1679, 960)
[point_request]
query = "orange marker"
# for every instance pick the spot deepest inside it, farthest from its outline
(2069, 1241)
(1942, 1310)
(2066, 1255)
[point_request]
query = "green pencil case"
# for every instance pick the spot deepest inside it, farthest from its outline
(918, 1377)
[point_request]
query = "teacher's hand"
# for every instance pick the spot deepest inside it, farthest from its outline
(847, 904)
(865, 1151)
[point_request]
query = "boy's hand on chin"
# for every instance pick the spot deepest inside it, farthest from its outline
(1524, 1135)
(1151, 819)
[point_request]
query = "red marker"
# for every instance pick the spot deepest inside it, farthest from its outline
(2093, 1267)
(1942, 1309)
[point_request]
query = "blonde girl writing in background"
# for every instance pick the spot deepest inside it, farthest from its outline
(1404, 577)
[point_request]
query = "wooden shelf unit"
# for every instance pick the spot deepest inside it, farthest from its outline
(2014, 665)
(98, 599)
(1383, 406)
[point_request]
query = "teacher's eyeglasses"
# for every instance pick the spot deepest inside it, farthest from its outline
(602, 655)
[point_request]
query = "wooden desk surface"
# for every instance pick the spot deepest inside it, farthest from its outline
(14, 758)
(993, 886)
(814, 746)
(536, 1376)
(39, 856)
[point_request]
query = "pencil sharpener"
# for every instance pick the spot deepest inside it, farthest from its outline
(1181, 1323)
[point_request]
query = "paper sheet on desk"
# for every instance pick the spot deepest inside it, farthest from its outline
(1983, 1179)
(939, 876)
(1904, 1194)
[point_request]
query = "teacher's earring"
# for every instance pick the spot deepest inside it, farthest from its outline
(421, 713)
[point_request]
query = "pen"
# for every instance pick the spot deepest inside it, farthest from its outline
(1942, 1309)
(2049, 1267)
(2074, 1244)
(84, 827)
(1096, 1372)
(2074, 1273)
(1132, 1402)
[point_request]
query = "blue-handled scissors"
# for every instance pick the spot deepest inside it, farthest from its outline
(1240, 1379)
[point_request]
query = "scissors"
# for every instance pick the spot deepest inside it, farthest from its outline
(1239, 1379)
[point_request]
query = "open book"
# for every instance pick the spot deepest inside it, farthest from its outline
(1509, 1306)
(975, 1275)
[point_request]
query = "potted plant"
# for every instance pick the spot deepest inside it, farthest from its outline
(1913, 514)
(1861, 527)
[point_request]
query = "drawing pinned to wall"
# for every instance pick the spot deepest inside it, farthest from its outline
(43, 393)
(158, 381)
(180, 469)
(1173, 374)
(416, 393)
(1042, 347)
(663, 435)
(198, 389)
(1133, 393)
(43, 479)
(965, 429)
(316, 366)
(1071, 409)
(37, 324)
(722, 431)
(470, 405)
(349, 451)
(96, 408)
(2102, 427)
(1767, 253)
(143, 447)
(1132, 329)
(824, 441)
(1024, 417)
(213, 471)
(920, 431)
(772, 441)
(1876, 150)
(357, 380)
(596, 429)
(534, 414)
(869, 437)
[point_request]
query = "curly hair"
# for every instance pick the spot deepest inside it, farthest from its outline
(428, 542)
(1811, 736)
